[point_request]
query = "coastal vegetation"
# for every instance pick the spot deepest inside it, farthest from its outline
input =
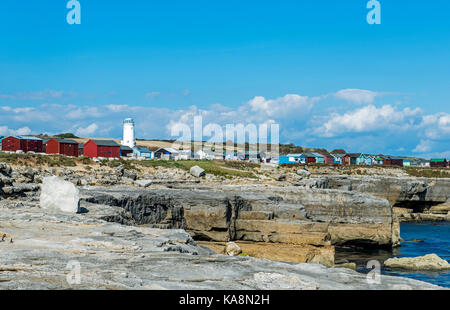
(216, 167)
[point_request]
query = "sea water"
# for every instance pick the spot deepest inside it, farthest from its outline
(419, 239)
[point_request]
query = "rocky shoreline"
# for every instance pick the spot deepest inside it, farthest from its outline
(115, 256)
(298, 218)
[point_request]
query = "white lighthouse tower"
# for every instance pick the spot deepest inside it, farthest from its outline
(128, 133)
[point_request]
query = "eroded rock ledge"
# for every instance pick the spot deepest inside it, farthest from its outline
(114, 256)
(413, 199)
(287, 215)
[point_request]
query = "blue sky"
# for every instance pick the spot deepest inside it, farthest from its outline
(315, 67)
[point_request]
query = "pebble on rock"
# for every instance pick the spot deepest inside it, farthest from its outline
(232, 249)
(198, 172)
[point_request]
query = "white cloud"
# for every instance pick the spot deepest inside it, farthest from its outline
(84, 112)
(22, 110)
(359, 96)
(423, 147)
(87, 131)
(437, 126)
(118, 108)
(368, 127)
(5, 131)
(27, 114)
(369, 118)
(75, 114)
(444, 154)
(282, 106)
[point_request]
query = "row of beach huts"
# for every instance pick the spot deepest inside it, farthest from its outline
(109, 149)
(93, 148)
(361, 159)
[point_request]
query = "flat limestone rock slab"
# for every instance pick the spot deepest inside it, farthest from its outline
(114, 256)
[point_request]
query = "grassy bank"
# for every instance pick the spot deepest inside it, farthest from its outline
(217, 168)
(427, 172)
(37, 160)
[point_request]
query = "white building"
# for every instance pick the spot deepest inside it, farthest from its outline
(128, 133)
(167, 153)
(205, 155)
(184, 155)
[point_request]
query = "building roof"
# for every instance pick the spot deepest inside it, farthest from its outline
(125, 148)
(437, 160)
(62, 140)
(312, 155)
(295, 155)
(105, 142)
(353, 154)
(142, 149)
(168, 149)
(338, 155)
(27, 138)
(393, 157)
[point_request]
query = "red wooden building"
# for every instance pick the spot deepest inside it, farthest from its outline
(19, 143)
(102, 148)
(327, 158)
(310, 158)
(350, 158)
(62, 146)
(438, 163)
(393, 161)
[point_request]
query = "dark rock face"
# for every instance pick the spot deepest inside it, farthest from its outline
(5, 177)
(145, 208)
(5, 170)
(167, 208)
(287, 215)
(19, 189)
(10, 188)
